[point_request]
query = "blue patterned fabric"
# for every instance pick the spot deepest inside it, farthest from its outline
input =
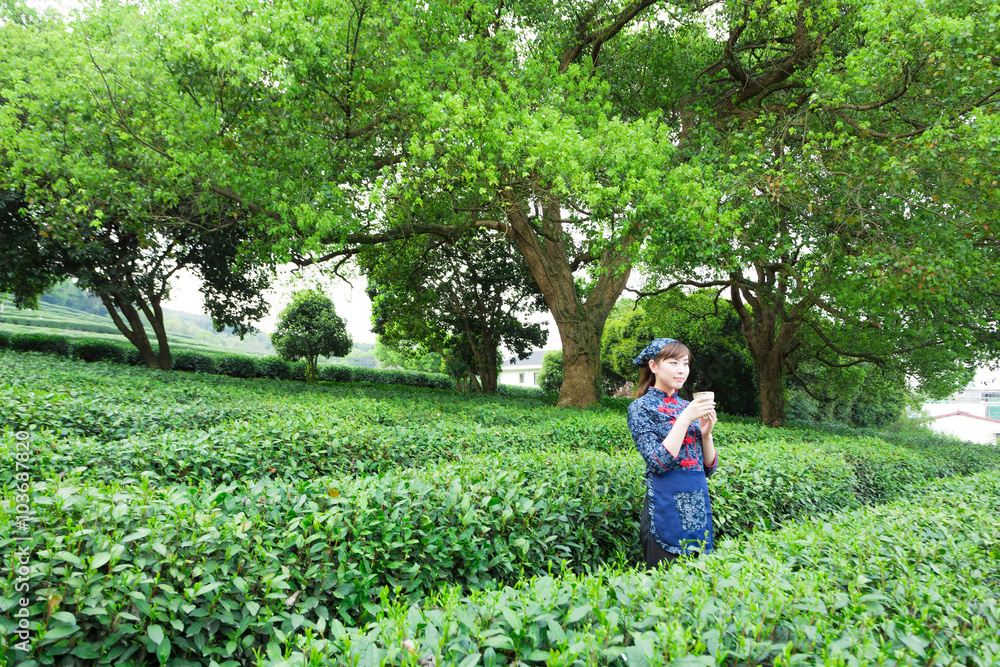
(651, 350)
(678, 493)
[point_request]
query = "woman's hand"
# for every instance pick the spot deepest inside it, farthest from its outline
(707, 422)
(695, 410)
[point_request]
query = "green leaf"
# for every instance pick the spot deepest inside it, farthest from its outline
(155, 633)
(513, 619)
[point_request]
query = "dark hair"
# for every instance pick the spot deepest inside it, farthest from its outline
(673, 350)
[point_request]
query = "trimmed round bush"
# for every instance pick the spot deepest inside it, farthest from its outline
(100, 349)
(236, 365)
(4, 339)
(40, 343)
(273, 367)
(194, 362)
(335, 373)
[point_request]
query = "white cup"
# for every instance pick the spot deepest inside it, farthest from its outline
(710, 395)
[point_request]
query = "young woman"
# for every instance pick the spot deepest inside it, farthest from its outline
(674, 437)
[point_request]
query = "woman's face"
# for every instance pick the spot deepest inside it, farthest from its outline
(671, 373)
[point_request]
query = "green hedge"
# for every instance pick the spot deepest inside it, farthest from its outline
(232, 365)
(40, 343)
(223, 571)
(100, 349)
(272, 367)
(335, 373)
(237, 552)
(236, 365)
(194, 362)
(914, 583)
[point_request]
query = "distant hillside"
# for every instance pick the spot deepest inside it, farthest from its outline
(68, 308)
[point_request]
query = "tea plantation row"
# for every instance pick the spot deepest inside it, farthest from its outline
(246, 512)
(222, 363)
(912, 583)
(130, 573)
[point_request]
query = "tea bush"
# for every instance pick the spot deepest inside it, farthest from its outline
(203, 574)
(40, 343)
(236, 365)
(193, 362)
(100, 349)
(913, 583)
(335, 373)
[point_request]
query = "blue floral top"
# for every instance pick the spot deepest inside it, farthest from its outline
(679, 507)
(650, 418)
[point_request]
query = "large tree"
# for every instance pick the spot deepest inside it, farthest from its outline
(89, 204)
(464, 300)
(764, 146)
(851, 144)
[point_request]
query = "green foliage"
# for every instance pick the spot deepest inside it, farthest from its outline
(195, 362)
(309, 328)
(861, 395)
(336, 373)
(524, 392)
(422, 360)
(551, 377)
(806, 594)
(236, 365)
(296, 506)
(99, 349)
(4, 339)
(711, 330)
(40, 343)
(462, 299)
(272, 367)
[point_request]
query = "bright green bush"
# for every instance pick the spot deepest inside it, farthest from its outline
(194, 362)
(273, 367)
(235, 553)
(236, 365)
(100, 349)
(913, 583)
(255, 566)
(361, 374)
(40, 343)
(520, 392)
(335, 373)
(551, 378)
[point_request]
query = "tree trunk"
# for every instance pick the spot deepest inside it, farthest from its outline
(771, 375)
(488, 369)
(771, 340)
(134, 330)
(154, 314)
(580, 323)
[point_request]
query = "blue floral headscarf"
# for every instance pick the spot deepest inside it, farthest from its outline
(652, 350)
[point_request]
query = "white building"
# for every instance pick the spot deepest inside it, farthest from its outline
(523, 372)
(972, 414)
(973, 428)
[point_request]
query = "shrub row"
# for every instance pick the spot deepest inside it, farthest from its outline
(914, 583)
(224, 569)
(202, 574)
(232, 365)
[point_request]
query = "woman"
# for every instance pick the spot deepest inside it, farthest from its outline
(674, 437)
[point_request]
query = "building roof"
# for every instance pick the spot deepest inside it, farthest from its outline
(959, 413)
(534, 359)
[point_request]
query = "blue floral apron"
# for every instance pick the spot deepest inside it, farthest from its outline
(679, 511)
